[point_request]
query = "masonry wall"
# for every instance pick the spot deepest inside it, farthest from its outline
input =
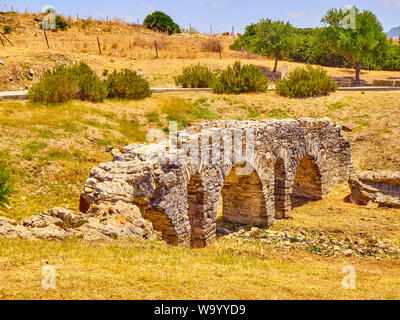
(295, 161)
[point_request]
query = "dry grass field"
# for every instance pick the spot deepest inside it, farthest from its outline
(51, 149)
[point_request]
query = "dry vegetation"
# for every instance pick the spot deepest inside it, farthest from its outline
(50, 150)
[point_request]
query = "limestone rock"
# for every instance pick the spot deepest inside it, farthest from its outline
(103, 221)
(380, 188)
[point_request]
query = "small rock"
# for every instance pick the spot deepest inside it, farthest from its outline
(255, 232)
(114, 152)
(348, 240)
(336, 248)
(348, 253)
(349, 127)
(1, 62)
(223, 230)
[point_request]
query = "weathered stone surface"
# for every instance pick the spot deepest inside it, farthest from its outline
(102, 221)
(294, 162)
(380, 188)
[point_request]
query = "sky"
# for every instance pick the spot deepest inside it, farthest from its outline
(222, 15)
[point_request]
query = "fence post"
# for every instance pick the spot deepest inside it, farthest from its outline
(219, 49)
(155, 44)
(6, 38)
(98, 42)
(2, 42)
(47, 41)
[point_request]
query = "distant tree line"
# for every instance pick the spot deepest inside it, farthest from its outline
(365, 46)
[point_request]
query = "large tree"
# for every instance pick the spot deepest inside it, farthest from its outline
(274, 38)
(359, 40)
(161, 22)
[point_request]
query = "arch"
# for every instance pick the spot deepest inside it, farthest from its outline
(161, 223)
(280, 190)
(243, 198)
(196, 211)
(307, 184)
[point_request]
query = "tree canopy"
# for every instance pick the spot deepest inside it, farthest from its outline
(274, 38)
(366, 41)
(161, 22)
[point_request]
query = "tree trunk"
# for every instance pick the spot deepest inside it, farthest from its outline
(357, 66)
(276, 62)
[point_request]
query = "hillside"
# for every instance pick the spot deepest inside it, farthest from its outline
(122, 46)
(50, 150)
(394, 32)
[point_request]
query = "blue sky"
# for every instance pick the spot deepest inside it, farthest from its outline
(221, 14)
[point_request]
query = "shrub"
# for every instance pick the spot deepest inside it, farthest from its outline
(61, 23)
(5, 184)
(8, 29)
(195, 76)
(65, 83)
(238, 79)
(306, 82)
(127, 84)
(161, 22)
(91, 87)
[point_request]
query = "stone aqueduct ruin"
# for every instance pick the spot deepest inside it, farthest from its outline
(294, 162)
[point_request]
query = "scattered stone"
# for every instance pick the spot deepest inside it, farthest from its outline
(1, 62)
(101, 221)
(348, 253)
(349, 127)
(222, 230)
(348, 240)
(255, 232)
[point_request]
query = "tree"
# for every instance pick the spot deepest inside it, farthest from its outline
(161, 22)
(360, 43)
(274, 38)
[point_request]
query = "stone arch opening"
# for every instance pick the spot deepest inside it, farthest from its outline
(243, 199)
(280, 191)
(307, 184)
(195, 198)
(161, 223)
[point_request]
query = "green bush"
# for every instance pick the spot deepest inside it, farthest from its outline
(306, 82)
(5, 184)
(127, 84)
(65, 83)
(195, 76)
(161, 22)
(238, 79)
(8, 29)
(61, 23)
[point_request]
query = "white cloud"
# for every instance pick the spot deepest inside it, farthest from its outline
(295, 14)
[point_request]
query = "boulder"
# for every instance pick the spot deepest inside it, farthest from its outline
(381, 188)
(102, 221)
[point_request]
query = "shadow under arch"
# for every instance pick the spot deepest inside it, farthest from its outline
(307, 184)
(280, 190)
(242, 197)
(161, 223)
(196, 211)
